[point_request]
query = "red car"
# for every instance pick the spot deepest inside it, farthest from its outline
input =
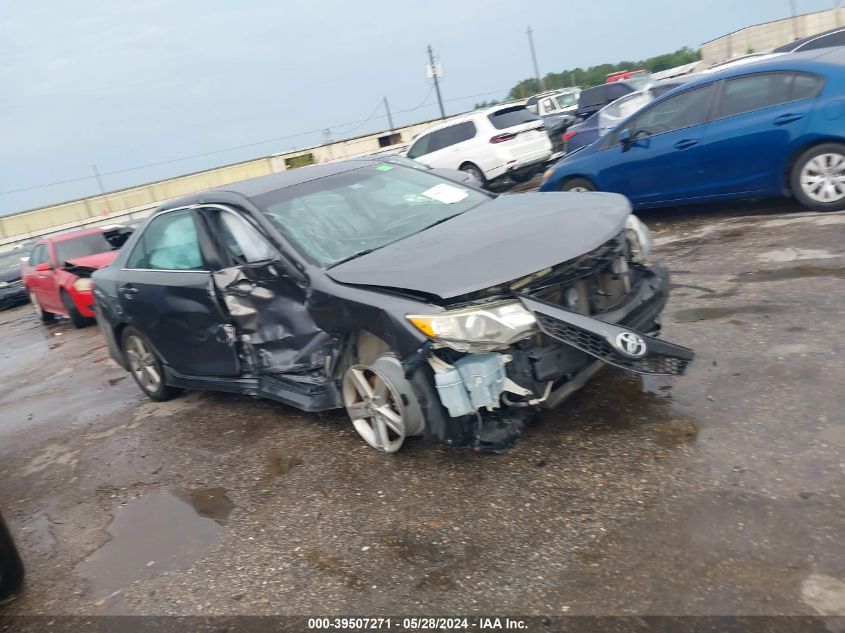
(58, 273)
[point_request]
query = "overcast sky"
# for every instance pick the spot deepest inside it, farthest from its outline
(122, 84)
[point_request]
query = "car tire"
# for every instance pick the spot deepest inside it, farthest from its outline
(75, 316)
(523, 176)
(145, 366)
(382, 404)
(817, 178)
(475, 172)
(577, 184)
(11, 566)
(44, 317)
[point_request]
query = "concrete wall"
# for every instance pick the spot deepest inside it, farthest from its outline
(764, 37)
(136, 202)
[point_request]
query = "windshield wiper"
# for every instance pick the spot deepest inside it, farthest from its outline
(366, 251)
(440, 221)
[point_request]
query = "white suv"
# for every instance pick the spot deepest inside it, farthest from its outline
(489, 144)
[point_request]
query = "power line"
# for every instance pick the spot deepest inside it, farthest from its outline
(237, 147)
(421, 103)
(372, 114)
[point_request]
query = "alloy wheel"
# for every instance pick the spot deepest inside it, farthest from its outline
(375, 408)
(823, 178)
(142, 364)
(578, 189)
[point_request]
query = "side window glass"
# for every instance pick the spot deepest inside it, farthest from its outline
(675, 113)
(463, 132)
(805, 86)
(169, 242)
(420, 147)
(746, 94)
(440, 139)
(37, 255)
(243, 242)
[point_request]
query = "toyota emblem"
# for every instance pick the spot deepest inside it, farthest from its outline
(631, 344)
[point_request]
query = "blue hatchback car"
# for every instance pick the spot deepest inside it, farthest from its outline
(772, 128)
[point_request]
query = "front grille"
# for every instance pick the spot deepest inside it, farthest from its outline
(595, 345)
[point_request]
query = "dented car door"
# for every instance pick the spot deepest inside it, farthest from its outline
(266, 306)
(167, 292)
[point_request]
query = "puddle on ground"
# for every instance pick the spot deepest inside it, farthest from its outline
(708, 314)
(151, 534)
(210, 503)
(783, 274)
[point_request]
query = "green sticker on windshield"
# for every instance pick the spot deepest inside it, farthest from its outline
(384, 167)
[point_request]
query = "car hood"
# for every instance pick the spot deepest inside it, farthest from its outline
(93, 262)
(508, 238)
(11, 273)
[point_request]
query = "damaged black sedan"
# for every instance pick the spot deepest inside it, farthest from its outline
(421, 306)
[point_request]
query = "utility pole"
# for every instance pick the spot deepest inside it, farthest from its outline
(794, 20)
(534, 58)
(387, 109)
(435, 73)
(102, 189)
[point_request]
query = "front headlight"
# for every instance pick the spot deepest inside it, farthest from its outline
(478, 329)
(639, 239)
(4, 284)
(83, 285)
(547, 174)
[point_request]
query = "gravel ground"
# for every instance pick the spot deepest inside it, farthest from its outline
(716, 493)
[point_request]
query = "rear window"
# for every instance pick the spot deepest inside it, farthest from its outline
(510, 117)
(594, 96)
(82, 246)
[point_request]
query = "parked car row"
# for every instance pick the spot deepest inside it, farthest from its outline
(768, 128)
(609, 116)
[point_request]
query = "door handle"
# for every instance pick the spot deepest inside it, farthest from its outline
(686, 143)
(783, 119)
(128, 291)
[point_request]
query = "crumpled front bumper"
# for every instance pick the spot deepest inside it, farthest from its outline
(614, 339)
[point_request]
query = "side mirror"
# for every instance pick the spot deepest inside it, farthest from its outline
(43, 267)
(625, 139)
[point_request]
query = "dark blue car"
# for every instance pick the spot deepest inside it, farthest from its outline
(771, 128)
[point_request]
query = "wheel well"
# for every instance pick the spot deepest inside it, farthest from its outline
(118, 333)
(360, 348)
(469, 163)
(786, 176)
(567, 179)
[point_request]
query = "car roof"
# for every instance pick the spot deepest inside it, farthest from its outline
(621, 82)
(472, 116)
(61, 237)
(798, 44)
(788, 61)
(271, 182)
